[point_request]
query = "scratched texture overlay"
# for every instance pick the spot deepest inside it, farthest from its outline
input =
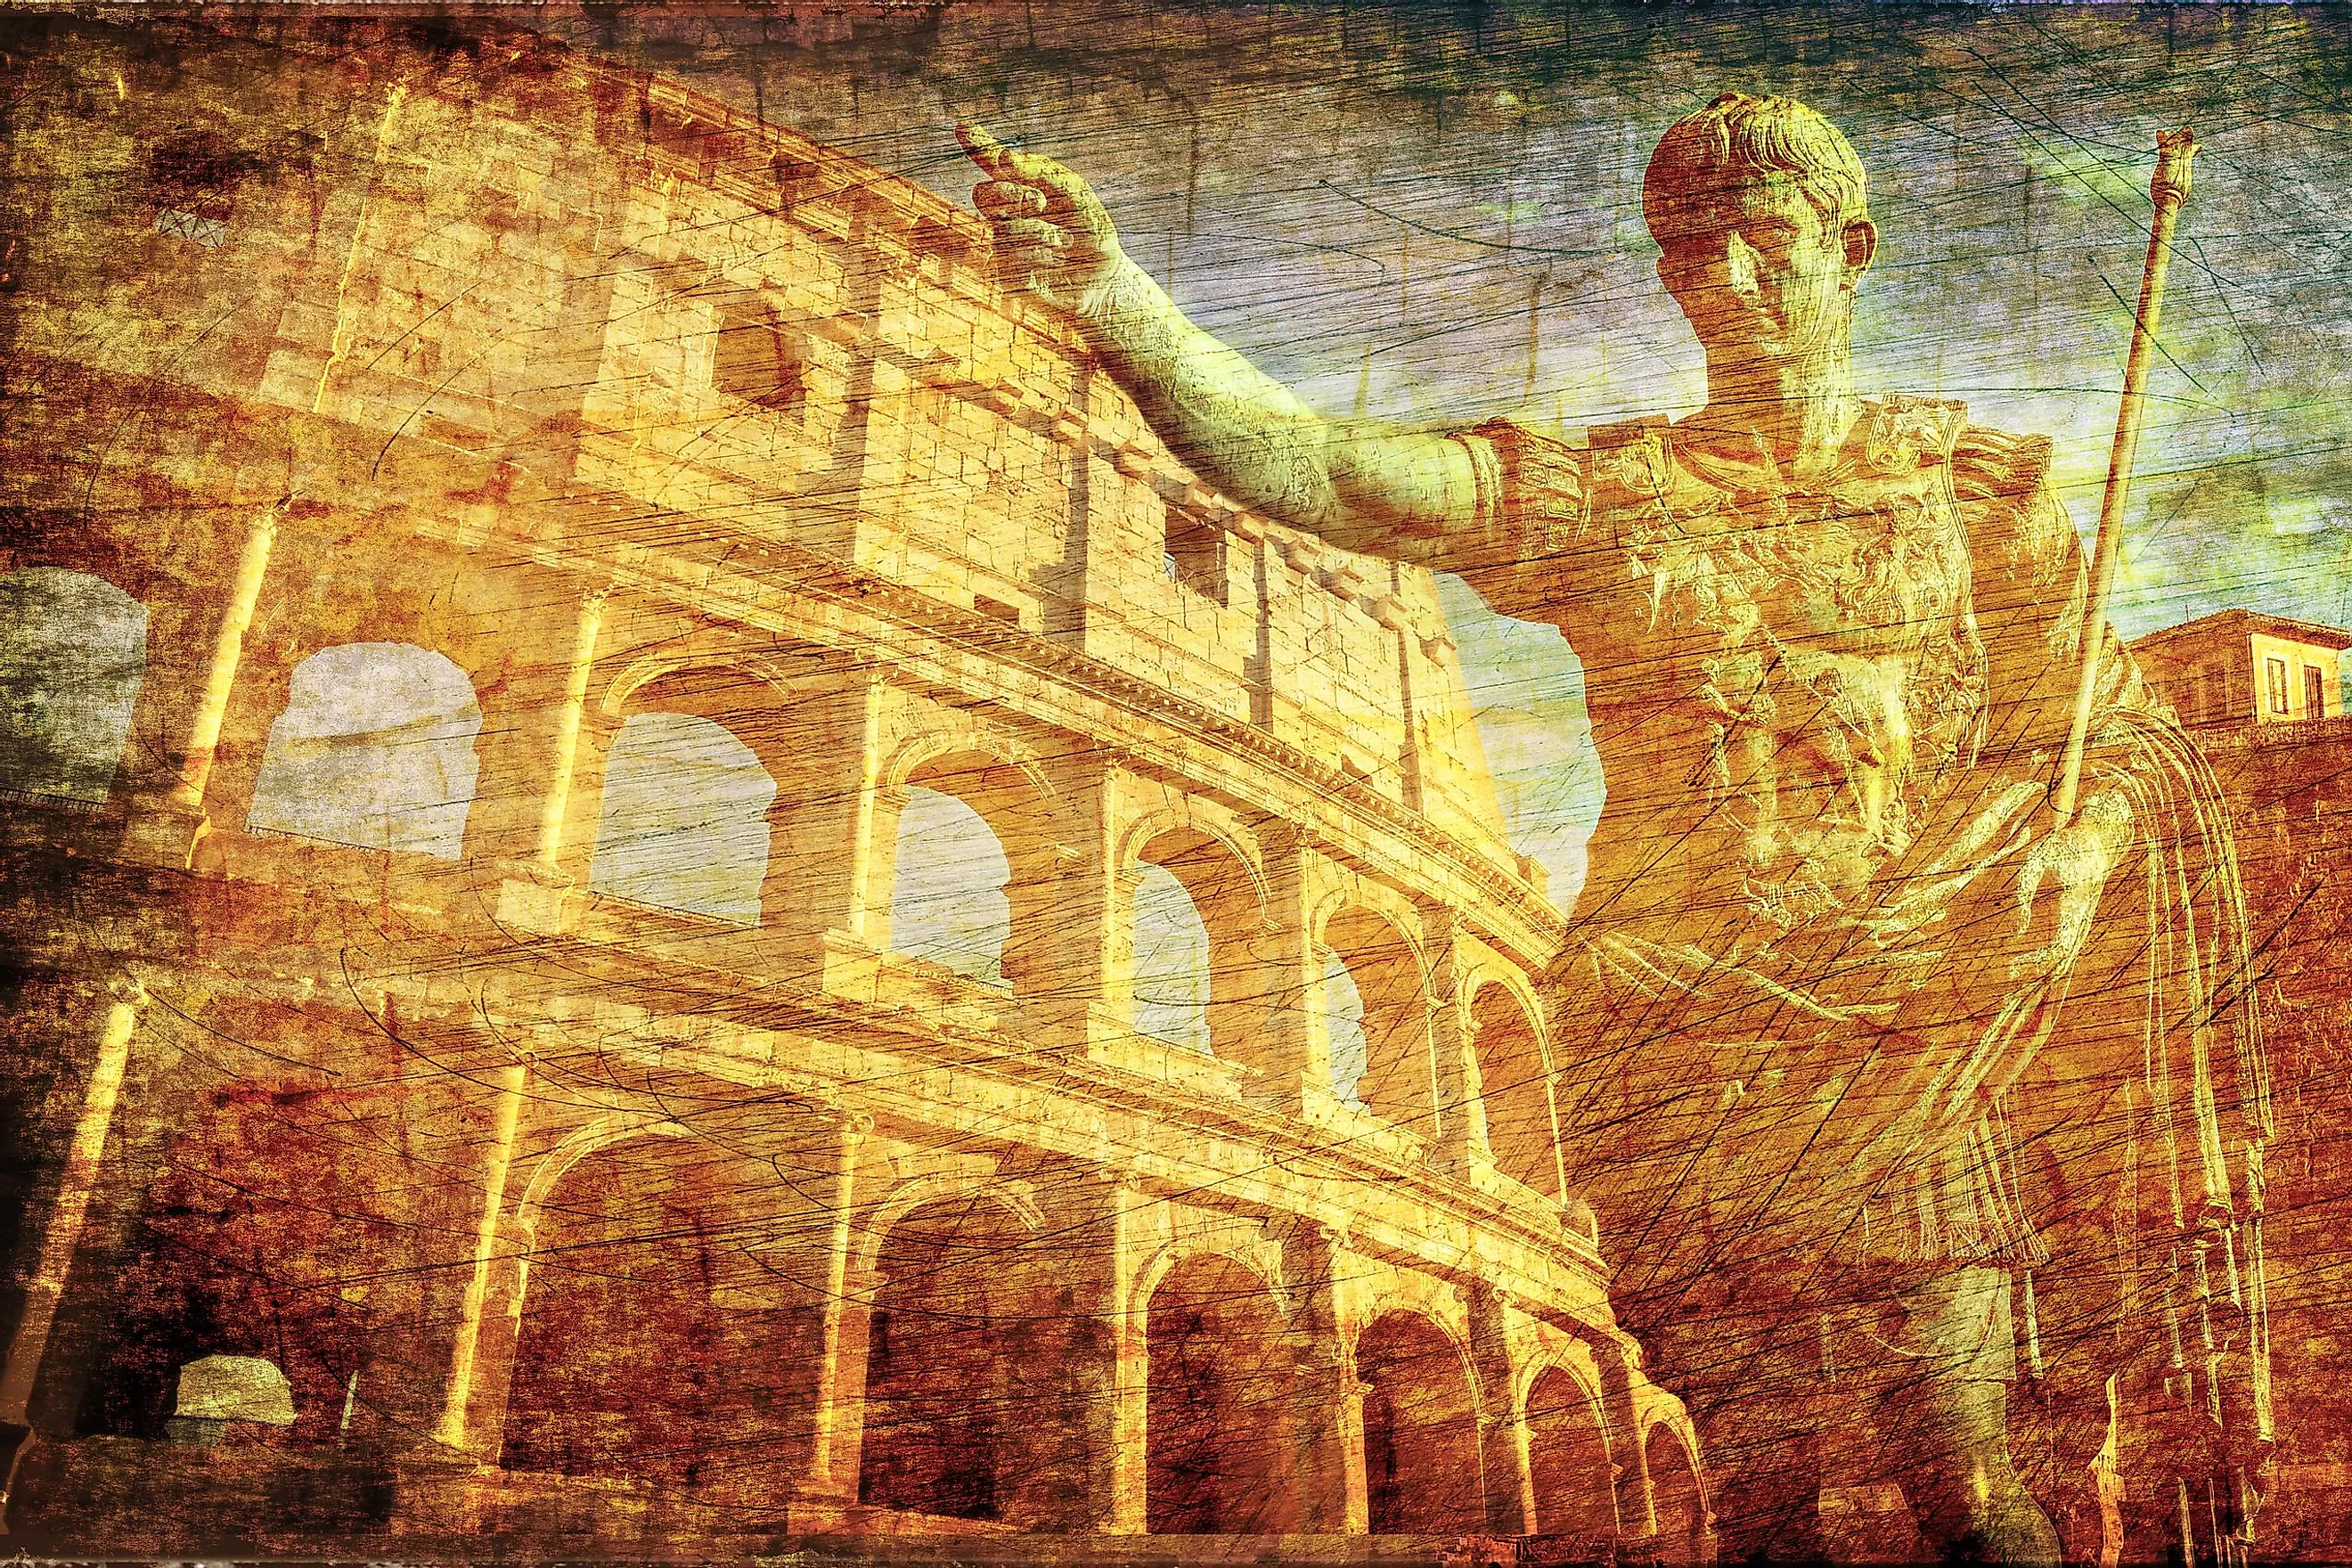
(707, 856)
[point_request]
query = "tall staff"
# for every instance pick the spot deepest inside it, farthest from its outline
(2169, 188)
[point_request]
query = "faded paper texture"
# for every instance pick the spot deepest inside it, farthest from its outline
(1014, 781)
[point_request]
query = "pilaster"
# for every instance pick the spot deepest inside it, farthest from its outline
(545, 892)
(165, 831)
(1286, 1044)
(838, 1417)
(1327, 1397)
(1502, 1421)
(61, 1232)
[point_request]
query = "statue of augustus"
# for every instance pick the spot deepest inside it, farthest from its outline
(1831, 943)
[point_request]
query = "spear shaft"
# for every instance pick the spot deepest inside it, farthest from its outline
(2168, 189)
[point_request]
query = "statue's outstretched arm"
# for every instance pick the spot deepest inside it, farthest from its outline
(1363, 485)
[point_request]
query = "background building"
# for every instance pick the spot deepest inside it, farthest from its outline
(2287, 775)
(668, 886)
(2240, 667)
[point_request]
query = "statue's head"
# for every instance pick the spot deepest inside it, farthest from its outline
(1760, 208)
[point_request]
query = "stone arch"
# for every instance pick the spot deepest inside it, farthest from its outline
(1189, 837)
(669, 1325)
(710, 664)
(683, 822)
(1568, 1455)
(1514, 1078)
(965, 1367)
(1018, 1198)
(1421, 1460)
(1218, 1404)
(1250, 1253)
(375, 750)
(1023, 819)
(1227, 900)
(245, 1229)
(73, 655)
(582, 1141)
(1677, 1500)
(1399, 1081)
(705, 816)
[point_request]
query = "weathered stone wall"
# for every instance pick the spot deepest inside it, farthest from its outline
(522, 398)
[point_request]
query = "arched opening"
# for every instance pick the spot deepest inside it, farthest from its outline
(1171, 955)
(962, 1360)
(257, 1236)
(1516, 1090)
(1198, 978)
(1217, 1417)
(684, 822)
(1674, 1495)
(1391, 1015)
(73, 651)
(1342, 1008)
(948, 902)
(671, 1318)
(1568, 1458)
(1421, 1430)
(375, 750)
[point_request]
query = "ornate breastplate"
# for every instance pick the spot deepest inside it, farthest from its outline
(1819, 635)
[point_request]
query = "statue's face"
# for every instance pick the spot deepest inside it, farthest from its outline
(1760, 275)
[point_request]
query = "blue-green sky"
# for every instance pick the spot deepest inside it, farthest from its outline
(1365, 197)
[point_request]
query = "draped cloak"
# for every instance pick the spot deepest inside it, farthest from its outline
(1806, 1022)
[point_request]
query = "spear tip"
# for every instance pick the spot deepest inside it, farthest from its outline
(2175, 150)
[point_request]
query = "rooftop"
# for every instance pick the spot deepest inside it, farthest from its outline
(2240, 623)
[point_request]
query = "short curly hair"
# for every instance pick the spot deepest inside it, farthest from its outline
(1759, 135)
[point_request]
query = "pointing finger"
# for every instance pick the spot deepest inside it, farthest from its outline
(992, 156)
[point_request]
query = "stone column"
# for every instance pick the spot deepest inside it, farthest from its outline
(1093, 1219)
(1286, 1045)
(457, 1426)
(1502, 1423)
(1326, 1399)
(1460, 1136)
(839, 1415)
(1130, 1373)
(165, 832)
(1064, 904)
(1629, 1466)
(844, 854)
(62, 1234)
(1358, 1520)
(535, 901)
(554, 810)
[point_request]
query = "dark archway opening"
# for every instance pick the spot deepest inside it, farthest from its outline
(1421, 1431)
(959, 1367)
(1568, 1458)
(1218, 1413)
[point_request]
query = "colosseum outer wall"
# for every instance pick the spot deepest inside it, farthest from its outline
(529, 540)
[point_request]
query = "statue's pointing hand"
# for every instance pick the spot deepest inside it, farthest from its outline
(1054, 236)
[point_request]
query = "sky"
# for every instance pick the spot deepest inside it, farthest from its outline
(1367, 200)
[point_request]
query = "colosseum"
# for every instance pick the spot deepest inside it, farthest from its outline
(671, 893)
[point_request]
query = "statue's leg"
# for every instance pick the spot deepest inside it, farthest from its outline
(1759, 1430)
(1951, 1408)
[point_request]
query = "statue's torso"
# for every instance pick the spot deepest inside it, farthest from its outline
(1778, 670)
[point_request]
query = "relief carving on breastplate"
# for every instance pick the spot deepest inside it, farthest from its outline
(1846, 668)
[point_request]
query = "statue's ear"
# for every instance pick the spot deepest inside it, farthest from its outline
(1861, 245)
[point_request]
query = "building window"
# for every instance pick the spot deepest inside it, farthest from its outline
(683, 823)
(2276, 669)
(2315, 692)
(73, 651)
(1193, 554)
(375, 750)
(756, 359)
(191, 181)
